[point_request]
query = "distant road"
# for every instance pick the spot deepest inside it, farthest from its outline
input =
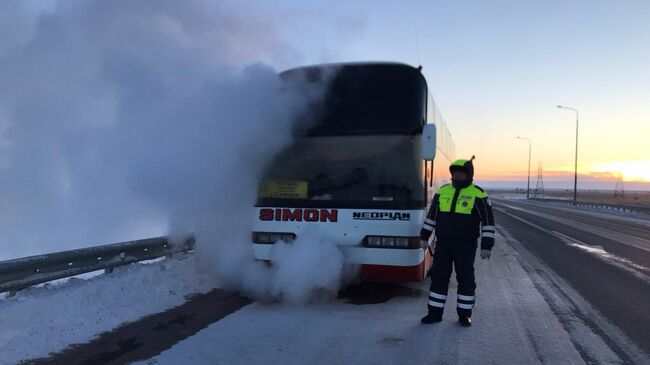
(605, 257)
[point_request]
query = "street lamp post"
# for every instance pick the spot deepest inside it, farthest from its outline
(575, 179)
(529, 149)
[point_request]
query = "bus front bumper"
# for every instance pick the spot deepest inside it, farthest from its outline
(376, 264)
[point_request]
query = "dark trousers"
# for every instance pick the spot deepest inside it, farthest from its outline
(461, 255)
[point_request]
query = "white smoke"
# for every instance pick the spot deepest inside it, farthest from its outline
(121, 120)
(309, 266)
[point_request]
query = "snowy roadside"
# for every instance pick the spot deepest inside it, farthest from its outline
(45, 319)
(595, 337)
(518, 319)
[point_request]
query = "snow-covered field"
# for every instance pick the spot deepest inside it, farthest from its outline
(41, 320)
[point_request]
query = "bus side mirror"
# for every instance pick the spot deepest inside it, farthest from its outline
(429, 142)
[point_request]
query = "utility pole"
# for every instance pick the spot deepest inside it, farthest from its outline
(575, 179)
(619, 190)
(539, 186)
(529, 149)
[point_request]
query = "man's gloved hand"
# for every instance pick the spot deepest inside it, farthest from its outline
(429, 247)
(485, 254)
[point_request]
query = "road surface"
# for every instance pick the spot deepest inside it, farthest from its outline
(605, 257)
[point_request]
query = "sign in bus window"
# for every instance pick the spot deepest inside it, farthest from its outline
(289, 189)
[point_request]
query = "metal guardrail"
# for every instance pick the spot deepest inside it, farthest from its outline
(614, 207)
(24, 272)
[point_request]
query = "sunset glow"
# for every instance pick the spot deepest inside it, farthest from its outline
(628, 170)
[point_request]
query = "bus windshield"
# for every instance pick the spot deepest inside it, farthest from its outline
(366, 99)
(372, 171)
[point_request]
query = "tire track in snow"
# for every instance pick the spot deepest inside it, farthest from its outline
(151, 335)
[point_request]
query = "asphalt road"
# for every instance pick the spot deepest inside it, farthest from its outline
(606, 258)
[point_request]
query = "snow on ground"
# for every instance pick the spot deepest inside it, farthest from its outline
(522, 316)
(41, 320)
(513, 324)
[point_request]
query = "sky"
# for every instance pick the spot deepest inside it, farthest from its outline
(497, 70)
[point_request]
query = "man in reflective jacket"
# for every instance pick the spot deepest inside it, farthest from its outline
(460, 212)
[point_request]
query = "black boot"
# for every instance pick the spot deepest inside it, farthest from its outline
(465, 321)
(432, 317)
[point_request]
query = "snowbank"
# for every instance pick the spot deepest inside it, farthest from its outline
(41, 320)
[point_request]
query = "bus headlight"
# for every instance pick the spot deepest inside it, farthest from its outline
(402, 242)
(373, 241)
(388, 241)
(391, 242)
(272, 237)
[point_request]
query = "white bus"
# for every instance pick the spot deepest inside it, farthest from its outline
(364, 172)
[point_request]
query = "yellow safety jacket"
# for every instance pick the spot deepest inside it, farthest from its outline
(460, 214)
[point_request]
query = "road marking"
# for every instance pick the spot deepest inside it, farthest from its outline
(637, 270)
(568, 239)
(521, 219)
(624, 264)
(626, 239)
(633, 222)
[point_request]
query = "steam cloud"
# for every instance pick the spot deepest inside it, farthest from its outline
(122, 119)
